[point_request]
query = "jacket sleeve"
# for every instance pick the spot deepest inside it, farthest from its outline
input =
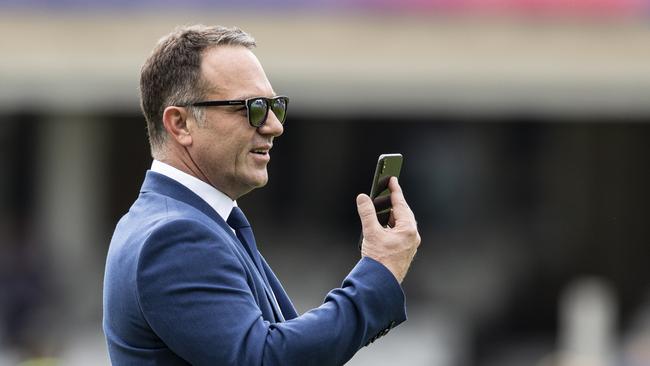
(194, 294)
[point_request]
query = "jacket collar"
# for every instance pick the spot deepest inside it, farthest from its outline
(161, 184)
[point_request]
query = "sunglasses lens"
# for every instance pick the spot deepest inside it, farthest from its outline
(257, 109)
(279, 107)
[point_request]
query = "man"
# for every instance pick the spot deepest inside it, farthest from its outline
(184, 282)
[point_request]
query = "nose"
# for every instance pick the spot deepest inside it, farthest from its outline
(272, 126)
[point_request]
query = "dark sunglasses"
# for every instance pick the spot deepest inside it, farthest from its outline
(257, 108)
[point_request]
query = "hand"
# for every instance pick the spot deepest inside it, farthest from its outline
(393, 246)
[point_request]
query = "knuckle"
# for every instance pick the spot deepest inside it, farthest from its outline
(412, 234)
(400, 196)
(365, 213)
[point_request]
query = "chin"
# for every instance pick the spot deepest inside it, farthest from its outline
(252, 179)
(259, 181)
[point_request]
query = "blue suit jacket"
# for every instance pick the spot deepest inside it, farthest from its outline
(180, 289)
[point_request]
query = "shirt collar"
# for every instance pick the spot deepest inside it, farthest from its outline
(218, 200)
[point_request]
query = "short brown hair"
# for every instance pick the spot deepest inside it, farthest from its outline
(172, 73)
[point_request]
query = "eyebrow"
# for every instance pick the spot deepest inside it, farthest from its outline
(248, 96)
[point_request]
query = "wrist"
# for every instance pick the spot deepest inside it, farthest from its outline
(394, 269)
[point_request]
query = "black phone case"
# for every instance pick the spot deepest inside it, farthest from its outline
(388, 165)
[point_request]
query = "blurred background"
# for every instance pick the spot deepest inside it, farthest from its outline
(524, 126)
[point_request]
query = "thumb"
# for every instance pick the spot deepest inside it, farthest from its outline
(367, 213)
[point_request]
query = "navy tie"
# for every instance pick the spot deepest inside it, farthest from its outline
(237, 220)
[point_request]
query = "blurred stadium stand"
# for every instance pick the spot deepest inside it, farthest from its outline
(524, 126)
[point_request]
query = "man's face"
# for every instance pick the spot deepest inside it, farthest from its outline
(231, 153)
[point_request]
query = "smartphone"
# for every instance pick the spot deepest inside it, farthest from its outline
(388, 165)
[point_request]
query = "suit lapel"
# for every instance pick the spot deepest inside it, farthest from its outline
(159, 183)
(286, 306)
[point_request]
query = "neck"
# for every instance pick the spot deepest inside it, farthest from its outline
(181, 159)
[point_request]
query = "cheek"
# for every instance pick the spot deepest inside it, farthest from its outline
(239, 154)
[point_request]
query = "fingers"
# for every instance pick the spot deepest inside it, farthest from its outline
(400, 212)
(367, 213)
(401, 209)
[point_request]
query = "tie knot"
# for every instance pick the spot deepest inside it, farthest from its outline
(237, 219)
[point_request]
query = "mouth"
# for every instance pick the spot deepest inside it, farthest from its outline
(261, 154)
(262, 150)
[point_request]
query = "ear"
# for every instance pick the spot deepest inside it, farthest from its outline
(175, 122)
